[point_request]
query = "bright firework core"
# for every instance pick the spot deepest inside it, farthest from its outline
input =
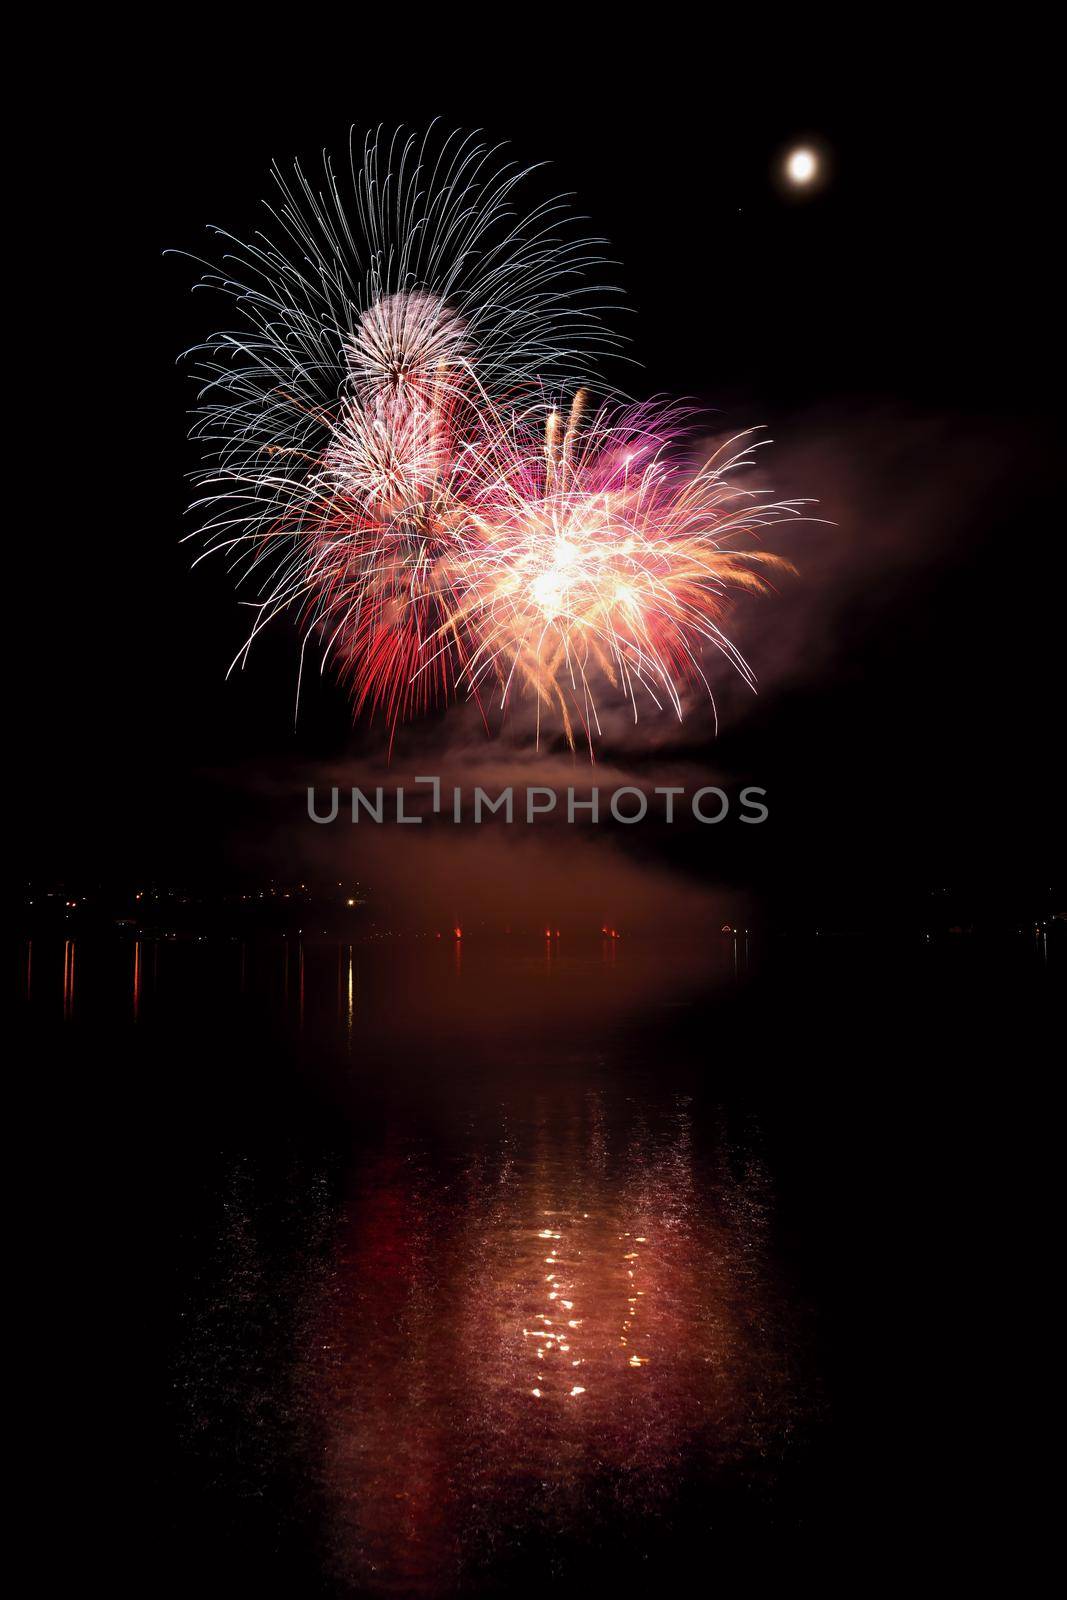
(404, 342)
(549, 587)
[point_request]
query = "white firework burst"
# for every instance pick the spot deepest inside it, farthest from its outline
(417, 265)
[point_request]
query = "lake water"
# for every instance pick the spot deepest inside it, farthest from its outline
(442, 1267)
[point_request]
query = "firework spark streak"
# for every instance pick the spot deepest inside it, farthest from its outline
(383, 461)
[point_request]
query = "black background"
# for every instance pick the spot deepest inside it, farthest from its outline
(919, 283)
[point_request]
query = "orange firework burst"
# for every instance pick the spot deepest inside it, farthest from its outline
(595, 553)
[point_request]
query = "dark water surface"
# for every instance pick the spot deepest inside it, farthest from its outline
(441, 1267)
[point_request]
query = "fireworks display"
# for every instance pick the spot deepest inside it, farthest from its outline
(407, 451)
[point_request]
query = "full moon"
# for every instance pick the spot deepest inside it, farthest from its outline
(801, 166)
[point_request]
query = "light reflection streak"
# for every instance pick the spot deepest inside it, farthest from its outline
(68, 978)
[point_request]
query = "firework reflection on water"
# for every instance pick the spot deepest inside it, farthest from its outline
(557, 1333)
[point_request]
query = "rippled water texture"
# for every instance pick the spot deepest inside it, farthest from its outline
(490, 1270)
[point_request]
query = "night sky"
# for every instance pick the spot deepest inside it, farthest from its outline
(892, 331)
